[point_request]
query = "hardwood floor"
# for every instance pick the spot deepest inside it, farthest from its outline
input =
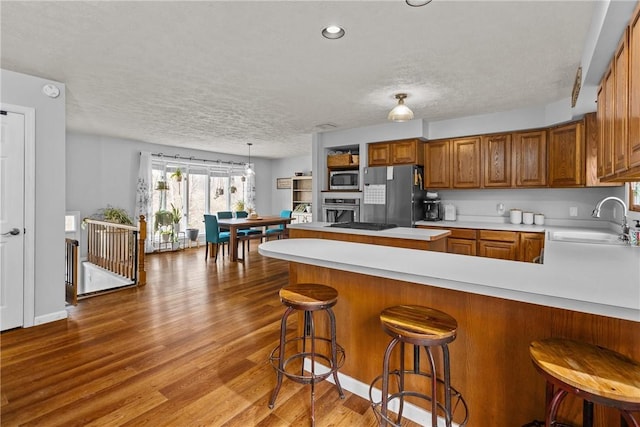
(189, 349)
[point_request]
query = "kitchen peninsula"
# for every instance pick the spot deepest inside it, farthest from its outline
(501, 306)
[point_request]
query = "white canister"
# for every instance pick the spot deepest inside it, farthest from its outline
(449, 212)
(515, 216)
(538, 219)
(527, 218)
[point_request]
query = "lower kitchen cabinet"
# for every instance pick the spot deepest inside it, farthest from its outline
(462, 241)
(531, 245)
(498, 244)
(508, 245)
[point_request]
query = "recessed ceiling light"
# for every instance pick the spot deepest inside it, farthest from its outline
(333, 32)
(417, 3)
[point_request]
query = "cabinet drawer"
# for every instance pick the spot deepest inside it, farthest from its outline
(498, 236)
(463, 233)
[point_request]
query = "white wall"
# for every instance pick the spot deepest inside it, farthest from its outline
(26, 91)
(283, 168)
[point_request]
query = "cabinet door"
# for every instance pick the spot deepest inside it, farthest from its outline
(605, 121)
(379, 154)
(634, 90)
(496, 160)
(531, 245)
(465, 162)
(436, 162)
(500, 250)
(621, 88)
(406, 152)
(461, 246)
(566, 156)
(530, 154)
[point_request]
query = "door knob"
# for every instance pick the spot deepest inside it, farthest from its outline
(13, 232)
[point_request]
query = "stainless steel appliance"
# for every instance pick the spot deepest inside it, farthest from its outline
(372, 226)
(393, 195)
(344, 180)
(340, 210)
(433, 209)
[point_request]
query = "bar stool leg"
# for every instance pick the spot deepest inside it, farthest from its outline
(385, 381)
(334, 350)
(447, 385)
(312, 337)
(587, 413)
(283, 334)
(434, 389)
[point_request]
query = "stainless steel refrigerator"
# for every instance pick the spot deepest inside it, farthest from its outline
(393, 195)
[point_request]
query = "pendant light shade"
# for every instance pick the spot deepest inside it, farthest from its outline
(247, 167)
(400, 113)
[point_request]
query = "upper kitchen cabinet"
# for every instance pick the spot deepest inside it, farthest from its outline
(402, 152)
(465, 157)
(530, 158)
(634, 93)
(379, 154)
(496, 161)
(437, 164)
(566, 155)
(619, 110)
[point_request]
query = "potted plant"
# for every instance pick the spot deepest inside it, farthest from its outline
(176, 217)
(177, 175)
(162, 185)
(239, 206)
(162, 218)
(233, 189)
(111, 214)
(165, 235)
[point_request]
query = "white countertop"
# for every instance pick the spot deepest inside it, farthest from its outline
(503, 226)
(590, 278)
(395, 233)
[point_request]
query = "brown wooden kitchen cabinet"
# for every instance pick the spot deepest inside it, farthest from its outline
(379, 154)
(530, 246)
(401, 152)
(407, 152)
(465, 162)
(462, 241)
(498, 244)
(619, 109)
(567, 155)
(437, 164)
(620, 103)
(496, 161)
(634, 92)
(530, 158)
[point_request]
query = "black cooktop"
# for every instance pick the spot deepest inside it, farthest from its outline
(376, 226)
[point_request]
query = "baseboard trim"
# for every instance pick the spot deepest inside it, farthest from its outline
(50, 317)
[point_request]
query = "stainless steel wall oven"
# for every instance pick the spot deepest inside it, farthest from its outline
(340, 210)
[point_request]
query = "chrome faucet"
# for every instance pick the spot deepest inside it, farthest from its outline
(624, 236)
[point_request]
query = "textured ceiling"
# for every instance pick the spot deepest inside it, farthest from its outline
(214, 75)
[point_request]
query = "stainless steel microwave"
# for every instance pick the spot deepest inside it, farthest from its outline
(343, 180)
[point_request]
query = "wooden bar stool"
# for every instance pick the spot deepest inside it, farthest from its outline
(595, 374)
(288, 358)
(423, 327)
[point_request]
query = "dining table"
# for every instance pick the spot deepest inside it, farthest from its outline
(235, 224)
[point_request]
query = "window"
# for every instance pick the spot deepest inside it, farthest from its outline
(201, 189)
(634, 196)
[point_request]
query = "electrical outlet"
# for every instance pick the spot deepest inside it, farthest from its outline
(573, 211)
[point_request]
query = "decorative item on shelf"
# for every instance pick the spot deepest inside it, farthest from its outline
(335, 160)
(298, 173)
(165, 235)
(239, 206)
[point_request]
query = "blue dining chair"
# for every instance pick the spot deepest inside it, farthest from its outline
(213, 235)
(280, 230)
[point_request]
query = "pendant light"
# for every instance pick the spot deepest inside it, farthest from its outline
(400, 113)
(247, 167)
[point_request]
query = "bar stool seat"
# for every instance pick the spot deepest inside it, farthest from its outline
(288, 358)
(423, 327)
(595, 374)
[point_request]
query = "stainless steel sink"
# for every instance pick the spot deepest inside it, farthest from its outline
(586, 236)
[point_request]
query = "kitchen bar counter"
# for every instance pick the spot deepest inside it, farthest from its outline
(591, 278)
(395, 233)
(583, 291)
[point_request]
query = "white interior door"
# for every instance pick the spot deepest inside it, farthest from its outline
(12, 162)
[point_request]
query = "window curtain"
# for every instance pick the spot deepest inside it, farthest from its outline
(251, 191)
(143, 197)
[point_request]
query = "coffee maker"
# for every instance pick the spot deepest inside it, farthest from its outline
(432, 208)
